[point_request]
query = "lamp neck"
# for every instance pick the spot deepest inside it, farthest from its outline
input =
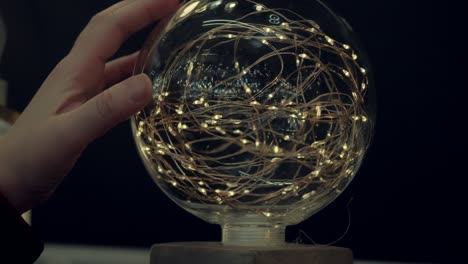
(261, 235)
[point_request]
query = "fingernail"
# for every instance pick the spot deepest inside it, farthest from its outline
(139, 88)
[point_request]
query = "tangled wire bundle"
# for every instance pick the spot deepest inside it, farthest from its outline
(252, 113)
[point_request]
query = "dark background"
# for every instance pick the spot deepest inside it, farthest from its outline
(399, 208)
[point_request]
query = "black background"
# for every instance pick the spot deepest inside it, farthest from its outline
(399, 208)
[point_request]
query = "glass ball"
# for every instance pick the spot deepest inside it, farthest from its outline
(260, 116)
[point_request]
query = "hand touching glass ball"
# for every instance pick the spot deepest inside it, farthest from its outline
(260, 116)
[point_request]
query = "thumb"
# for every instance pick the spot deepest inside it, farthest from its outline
(109, 108)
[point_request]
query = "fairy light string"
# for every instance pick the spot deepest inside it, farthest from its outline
(285, 126)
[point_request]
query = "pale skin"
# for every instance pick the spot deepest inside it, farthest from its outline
(82, 98)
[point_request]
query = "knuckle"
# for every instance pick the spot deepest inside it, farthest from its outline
(65, 65)
(121, 26)
(98, 17)
(104, 105)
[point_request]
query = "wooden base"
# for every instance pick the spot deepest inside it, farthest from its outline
(215, 253)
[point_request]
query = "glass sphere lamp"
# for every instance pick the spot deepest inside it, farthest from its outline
(261, 113)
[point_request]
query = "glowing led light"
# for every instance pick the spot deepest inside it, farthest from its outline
(304, 56)
(231, 5)
(217, 3)
(190, 68)
(247, 89)
(180, 110)
(346, 73)
(318, 110)
(281, 37)
(189, 9)
(199, 101)
(221, 130)
(201, 9)
(308, 195)
(181, 127)
(202, 190)
(316, 173)
(276, 149)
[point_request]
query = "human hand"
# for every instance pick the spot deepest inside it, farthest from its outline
(75, 105)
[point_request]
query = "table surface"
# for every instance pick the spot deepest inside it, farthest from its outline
(74, 254)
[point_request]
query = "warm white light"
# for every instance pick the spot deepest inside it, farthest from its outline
(187, 10)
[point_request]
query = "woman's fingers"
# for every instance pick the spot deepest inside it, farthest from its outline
(114, 72)
(117, 24)
(83, 73)
(106, 110)
(68, 112)
(119, 69)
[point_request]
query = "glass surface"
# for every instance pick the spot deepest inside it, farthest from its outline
(261, 113)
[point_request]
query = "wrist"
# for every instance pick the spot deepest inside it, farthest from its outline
(8, 177)
(8, 186)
